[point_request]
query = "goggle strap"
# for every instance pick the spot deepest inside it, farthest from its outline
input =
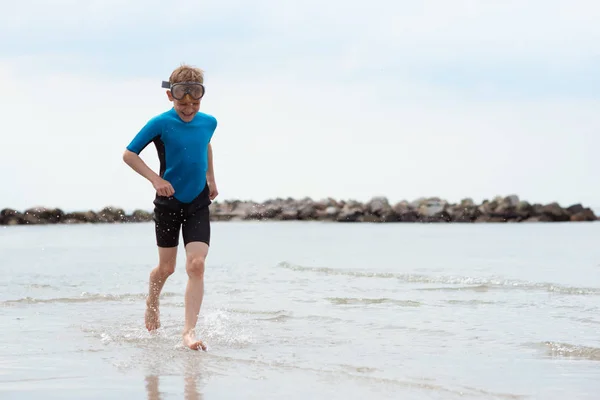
(167, 84)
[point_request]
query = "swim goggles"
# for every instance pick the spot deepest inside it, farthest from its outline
(180, 89)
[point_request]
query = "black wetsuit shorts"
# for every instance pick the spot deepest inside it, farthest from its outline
(172, 217)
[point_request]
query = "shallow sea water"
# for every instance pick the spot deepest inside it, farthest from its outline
(300, 310)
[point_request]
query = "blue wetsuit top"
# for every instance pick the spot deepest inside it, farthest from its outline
(182, 150)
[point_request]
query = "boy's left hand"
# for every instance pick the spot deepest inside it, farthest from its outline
(213, 191)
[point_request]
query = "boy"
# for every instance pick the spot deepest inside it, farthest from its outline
(185, 188)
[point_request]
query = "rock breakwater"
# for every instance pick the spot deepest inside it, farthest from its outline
(378, 209)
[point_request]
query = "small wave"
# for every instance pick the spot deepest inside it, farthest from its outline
(256, 312)
(280, 315)
(359, 369)
(467, 283)
(558, 349)
(38, 286)
(420, 331)
(354, 300)
(51, 378)
(273, 316)
(333, 271)
(476, 288)
(473, 302)
(276, 318)
(84, 298)
(586, 320)
(325, 318)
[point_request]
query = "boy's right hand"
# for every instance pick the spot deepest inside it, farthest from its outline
(163, 188)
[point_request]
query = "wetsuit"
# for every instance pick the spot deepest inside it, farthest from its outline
(183, 154)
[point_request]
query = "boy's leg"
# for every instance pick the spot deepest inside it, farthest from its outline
(167, 219)
(166, 266)
(196, 253)
(196, 237)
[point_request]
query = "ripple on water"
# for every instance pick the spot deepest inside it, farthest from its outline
(84, 297)
(466, 283)
(370, 301)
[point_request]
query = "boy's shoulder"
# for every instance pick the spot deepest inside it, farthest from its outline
(162, 117)
(204, 118)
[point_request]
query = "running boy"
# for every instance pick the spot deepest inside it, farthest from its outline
(185, 187)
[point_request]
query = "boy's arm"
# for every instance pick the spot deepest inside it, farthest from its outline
(210, 174)
(138, 165)
(149, 132)
(162, 187)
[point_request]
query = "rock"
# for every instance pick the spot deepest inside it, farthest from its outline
(231, 210)
(486, 208)
(585, 215)
(307, 212)
(555, 212)
(468, 202)
(415, 204)
(332, 211)
(288, 214)
(111, 214)
(483, 218)
(350, 213)
(12, 217)
(512, 200)
(524, 210)
(575, 209)
(372, 218)
(264, 211)
(504, 213)
(322, 205)
(377, 209)
(140, 216)
(401, 207)
(380, 210)
(378, 206)
(539, 218)
(431, 207)
(464, 212)
(42, 215)
(410, 216)
(81, 217)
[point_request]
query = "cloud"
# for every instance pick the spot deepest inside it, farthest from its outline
(349, 100)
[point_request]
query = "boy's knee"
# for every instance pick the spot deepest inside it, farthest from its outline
(195, 267)
(166, 268)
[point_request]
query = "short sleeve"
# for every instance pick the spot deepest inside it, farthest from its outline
(213, 127)
(146, 135)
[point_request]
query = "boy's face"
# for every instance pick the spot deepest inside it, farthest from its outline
(186, 108)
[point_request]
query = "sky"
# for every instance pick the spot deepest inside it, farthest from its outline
(342, 99)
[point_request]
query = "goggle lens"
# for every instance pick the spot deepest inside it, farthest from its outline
(194, 89)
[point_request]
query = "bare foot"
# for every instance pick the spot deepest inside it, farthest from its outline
(189, 340)
(152, 318)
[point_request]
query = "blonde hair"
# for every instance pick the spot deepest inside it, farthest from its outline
(186, 73)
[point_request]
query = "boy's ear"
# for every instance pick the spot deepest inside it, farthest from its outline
(169, 95)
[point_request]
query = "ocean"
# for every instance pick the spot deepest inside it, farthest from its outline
(306, 310)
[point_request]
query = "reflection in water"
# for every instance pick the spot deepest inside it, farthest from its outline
(152, 387)
(192, 375)
(190, 389)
